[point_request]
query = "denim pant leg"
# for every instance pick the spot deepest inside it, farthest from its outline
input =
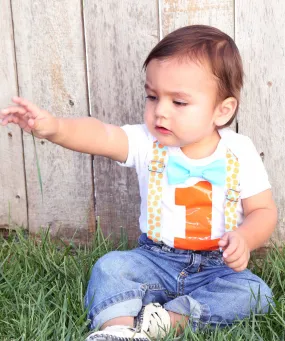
(217, 295)
(121, 282)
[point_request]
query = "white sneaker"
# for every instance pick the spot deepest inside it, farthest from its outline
(154, 321)
(117, 333)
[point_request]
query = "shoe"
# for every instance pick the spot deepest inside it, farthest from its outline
(153, 321)
(117, 333)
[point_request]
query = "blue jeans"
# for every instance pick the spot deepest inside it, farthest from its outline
(196, 284)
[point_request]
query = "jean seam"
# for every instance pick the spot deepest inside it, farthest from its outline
(171, 294)
(155, 287)
(181, 284)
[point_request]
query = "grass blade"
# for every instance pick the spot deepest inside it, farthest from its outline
(38, 167)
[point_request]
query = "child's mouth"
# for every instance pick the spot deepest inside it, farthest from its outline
(162, 130)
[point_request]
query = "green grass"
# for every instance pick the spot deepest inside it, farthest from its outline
(42, 286)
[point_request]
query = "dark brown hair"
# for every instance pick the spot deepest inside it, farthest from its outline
(200, 43)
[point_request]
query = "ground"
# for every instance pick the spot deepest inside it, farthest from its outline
(42, 286)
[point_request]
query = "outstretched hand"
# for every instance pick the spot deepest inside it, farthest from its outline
(30, 118)
(236, 251)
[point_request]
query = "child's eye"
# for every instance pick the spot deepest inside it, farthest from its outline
(151, 98)
(182, 104)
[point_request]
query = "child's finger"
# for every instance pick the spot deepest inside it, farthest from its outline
(17, 99)
(223, 242)
(236, 255)
(6, 120)
(22, 122)
(13, 110)
(15, 119)
(238, 265)
(233, 245)
(3, 122)
(239, 260)
(235, 263)
(10, 119)
(2, 115)
(32, 108)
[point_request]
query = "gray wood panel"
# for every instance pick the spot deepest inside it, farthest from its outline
(179, 13)
(13, 204)
(260, 36)
(51, 67)
(119, 36)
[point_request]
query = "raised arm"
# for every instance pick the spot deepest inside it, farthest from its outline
(86, 135)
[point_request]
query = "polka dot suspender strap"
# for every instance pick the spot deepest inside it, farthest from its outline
(156, 168)
(233, 191)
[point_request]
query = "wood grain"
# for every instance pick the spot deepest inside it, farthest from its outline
(55, 44)
(260, 36)
(13, 203)
(179, 13)
(51, 64)
(119, 35)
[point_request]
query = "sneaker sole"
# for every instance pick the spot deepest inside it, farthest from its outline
(115, 338)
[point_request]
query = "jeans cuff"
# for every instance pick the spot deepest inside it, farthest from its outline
(125, 304)
(126, 308)
(185, 305)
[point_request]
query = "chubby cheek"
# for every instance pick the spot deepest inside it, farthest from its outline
(195, 126)
(199, 117)
(148, 118)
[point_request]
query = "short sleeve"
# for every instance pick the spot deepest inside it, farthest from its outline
(253, 175)
(139, 140)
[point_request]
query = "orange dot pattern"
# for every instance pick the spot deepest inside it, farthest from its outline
(156, 168)
(233, 191)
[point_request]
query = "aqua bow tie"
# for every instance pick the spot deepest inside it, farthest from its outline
(179, 170)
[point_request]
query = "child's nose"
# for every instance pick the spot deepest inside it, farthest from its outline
(161, 109)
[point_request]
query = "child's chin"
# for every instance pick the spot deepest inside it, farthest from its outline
(167, 142)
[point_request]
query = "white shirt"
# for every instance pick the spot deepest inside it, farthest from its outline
(253, 180)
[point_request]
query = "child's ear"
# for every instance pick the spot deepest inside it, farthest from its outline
(225, 111)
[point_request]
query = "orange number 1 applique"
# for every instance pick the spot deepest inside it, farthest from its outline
(198, 202)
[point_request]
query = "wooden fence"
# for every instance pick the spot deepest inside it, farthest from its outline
(84, 58)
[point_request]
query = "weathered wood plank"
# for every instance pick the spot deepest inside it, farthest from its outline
(119, 35)
(179, 13)
(51, 62)
(13, 204)
(261, 39)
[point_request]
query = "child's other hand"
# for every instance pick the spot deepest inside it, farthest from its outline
(236, 252)
(30, 118)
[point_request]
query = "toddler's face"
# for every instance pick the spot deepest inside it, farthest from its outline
(181, 101)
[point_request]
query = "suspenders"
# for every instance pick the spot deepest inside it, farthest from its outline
(233, 191)
(156, 172)
(156, 168)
